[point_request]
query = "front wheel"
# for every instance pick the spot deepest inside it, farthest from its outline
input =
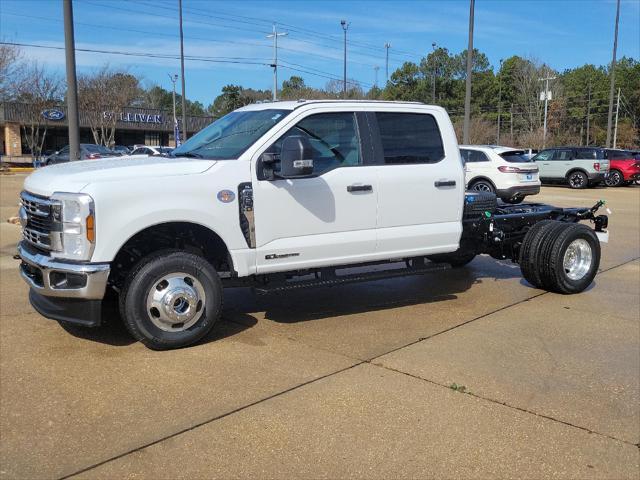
(578, 180)
(171, 299)
(615, 179)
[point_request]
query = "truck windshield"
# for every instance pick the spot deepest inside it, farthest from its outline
(228, 137)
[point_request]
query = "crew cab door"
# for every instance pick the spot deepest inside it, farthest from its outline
(421, 183)
(326, 219)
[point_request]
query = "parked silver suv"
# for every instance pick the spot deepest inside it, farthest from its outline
(579, 167)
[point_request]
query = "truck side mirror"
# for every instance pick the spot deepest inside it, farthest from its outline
(296, 158)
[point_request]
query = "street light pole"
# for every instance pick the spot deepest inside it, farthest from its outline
(184, 96)
(546, 101)
(72, 84)
(275, 35)
(467, 96)
(387, 46)
(345, 27)
(615, 129)
(613, 76)
(176, 133)
(433, 77)
(499, 102)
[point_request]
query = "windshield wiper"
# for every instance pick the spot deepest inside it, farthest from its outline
(188, 155)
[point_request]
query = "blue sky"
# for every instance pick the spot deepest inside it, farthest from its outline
(562, 33)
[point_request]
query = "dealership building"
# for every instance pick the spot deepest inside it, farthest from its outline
(134, 126)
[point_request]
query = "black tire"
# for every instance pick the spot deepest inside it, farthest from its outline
(482, 186)
(513, 200)
(615, 179)
(139, 284)
(529, 251)
(577, 180)
(543, 256)
(556, 276)
(456, 260)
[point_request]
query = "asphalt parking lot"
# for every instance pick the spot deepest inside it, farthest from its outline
(465, 373)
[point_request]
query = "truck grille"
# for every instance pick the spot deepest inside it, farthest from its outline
(38, 225)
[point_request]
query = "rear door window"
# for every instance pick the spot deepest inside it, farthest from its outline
(563, 155)
(543, 156)
(590, 154)
(409, 138)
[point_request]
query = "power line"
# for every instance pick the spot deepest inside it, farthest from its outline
(190, 37)
(318, 73)
(307, 31)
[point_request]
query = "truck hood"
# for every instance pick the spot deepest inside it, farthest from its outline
(74, 176)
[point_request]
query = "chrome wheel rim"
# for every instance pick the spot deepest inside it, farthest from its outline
(176, 302)
(481, 187)
(577, 259)
(613, 179)
(576, 180)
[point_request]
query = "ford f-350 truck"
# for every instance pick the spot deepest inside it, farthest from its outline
(278, 196)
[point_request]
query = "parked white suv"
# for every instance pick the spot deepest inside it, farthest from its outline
(501, 170)
(278, 196)
(146, 151)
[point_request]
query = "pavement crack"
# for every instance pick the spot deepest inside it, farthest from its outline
(504, 404)
(206, 422)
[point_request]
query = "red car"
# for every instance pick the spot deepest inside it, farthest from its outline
(624, 167)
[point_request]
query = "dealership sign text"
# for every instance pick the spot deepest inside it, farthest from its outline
(135, 117)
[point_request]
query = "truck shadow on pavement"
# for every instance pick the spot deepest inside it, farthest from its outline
(241, 305)
(113, 332)
(294, 306)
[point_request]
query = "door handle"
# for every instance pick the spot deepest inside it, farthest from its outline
(359, 188)
(445, 183)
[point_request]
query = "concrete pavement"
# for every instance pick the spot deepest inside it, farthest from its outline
(352, 381)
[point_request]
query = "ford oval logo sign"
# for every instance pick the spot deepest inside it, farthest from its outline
(53, 114)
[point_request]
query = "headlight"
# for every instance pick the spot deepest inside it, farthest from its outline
(74, 213)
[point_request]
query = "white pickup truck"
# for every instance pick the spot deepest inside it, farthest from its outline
(278, 196)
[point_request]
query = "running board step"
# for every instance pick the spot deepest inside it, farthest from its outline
(354, 278)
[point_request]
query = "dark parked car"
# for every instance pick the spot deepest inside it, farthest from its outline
(88, 151)
(121, 149)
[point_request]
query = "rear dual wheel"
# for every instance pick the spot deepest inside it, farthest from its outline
(560, 257)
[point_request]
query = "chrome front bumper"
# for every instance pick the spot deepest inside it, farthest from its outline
(54, 278)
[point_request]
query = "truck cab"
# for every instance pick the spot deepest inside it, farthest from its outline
(266, 193)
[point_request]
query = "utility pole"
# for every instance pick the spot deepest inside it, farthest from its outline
(72, 84)
(613, 76)
(345, 27)
(387, 46)
(467, 95)
(588, 111)
(433, 77)
(499, 102)
(511, 121)
(375, 69)
(275, 36)
(176, 130)
(547, 95)
(184, 95)
(615, 130)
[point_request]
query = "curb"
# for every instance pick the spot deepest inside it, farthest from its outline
(18, 169)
